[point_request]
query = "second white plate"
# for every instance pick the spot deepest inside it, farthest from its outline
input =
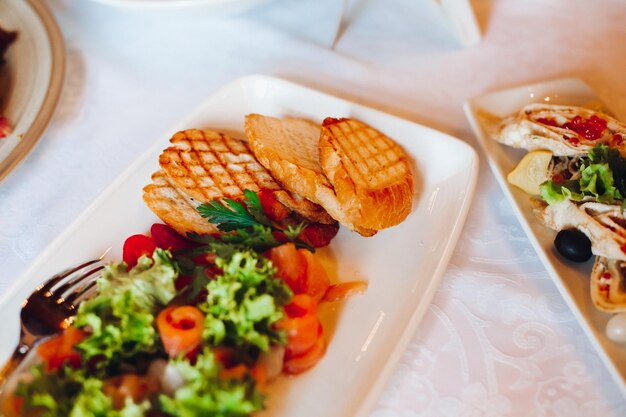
(403, 265)
(571, 279)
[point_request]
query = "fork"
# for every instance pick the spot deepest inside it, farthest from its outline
(51, 308)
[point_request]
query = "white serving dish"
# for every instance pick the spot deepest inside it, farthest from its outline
(571, 279)
(403, 265)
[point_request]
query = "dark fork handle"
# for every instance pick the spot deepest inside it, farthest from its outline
(12, 363)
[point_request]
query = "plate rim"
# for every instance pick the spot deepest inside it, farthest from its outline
(583, 320)
(411, 326)
(53, 93)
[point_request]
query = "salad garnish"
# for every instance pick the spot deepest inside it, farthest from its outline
(244, 304)
(602, 178)
(186, 326)
(249, 224)
(120, 318)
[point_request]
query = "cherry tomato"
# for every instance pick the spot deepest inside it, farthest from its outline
(319, 235)
(272, 208)
(136, 246)
(167, 238)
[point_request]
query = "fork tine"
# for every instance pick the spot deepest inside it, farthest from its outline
(73, 282)
(80, 292)
(85, 293)
(62, 275)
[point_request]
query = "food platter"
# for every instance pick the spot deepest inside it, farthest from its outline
(32, 78)
(402, 265)
(571, 279)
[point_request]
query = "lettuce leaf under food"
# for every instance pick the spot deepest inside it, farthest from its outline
(602, 179)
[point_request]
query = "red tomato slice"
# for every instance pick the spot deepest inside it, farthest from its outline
(300, 270)
(301, 305)
(291, 265)
(303, 337)
(167, 238)
(319, 235)
(136, 246)
(301, 324)
(316, 281)
(273, 209)
(305, 361)
(60, 349)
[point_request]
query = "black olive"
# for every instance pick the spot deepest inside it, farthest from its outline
(573, 245)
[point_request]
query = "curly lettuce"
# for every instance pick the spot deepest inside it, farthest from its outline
(242, 306)
(68, 392)
(205, 393)
(244, 303)
(120, 318)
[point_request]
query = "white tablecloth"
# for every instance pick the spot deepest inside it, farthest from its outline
(498, 339)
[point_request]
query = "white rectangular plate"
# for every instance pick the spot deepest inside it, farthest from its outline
(403, 265)
(571, 279)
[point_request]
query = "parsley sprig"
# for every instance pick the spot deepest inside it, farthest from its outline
(233, 215)
(248, 226)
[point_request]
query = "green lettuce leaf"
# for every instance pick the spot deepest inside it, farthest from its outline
(92, 402)
(152, 279)
(602, 179)
(68, 392)
(120, 318)
(206, 394)
(244, 303)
